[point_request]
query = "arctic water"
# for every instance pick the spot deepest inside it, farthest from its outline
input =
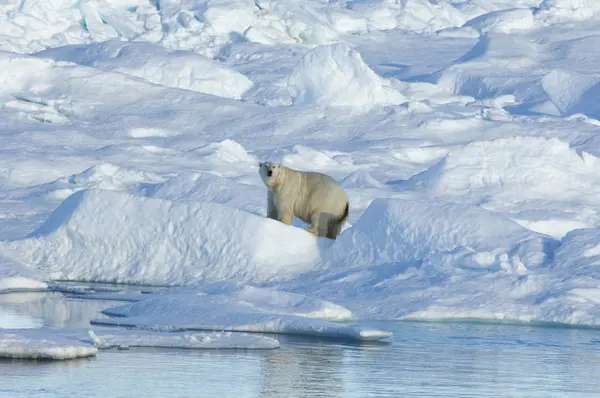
(423, 359)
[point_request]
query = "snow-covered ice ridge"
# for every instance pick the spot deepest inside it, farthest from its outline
(465, 132)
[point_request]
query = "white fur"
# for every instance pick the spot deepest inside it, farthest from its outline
(314, 198)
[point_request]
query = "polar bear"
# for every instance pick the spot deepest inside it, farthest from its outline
(313, 197)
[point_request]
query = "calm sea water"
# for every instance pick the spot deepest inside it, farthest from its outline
(423, 360)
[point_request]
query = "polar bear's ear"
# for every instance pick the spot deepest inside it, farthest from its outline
(260, 164)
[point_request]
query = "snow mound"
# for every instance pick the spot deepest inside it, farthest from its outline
(321, 23)
(207, 187)
(411, 15)
(559, 77)
(35, 25)
(498, 65)
(440, 238)
(123, 339)
(155, 64)
(117, 237)
(105, 176)
(336, 75)
(219, 312)
(346, 21)
(17, 277)
(229, 153)
(462, 32)
(206, 26)
(305, 158)
(564, 292)
(14, 78)
(361, 179)
(556, 10)
(426, 16)
(542, 183)
(201, 26)
(225, 17)
(541, 167)
(427, 259)
(504, 21)
(285, 21)
(378, 14)
(573, 92)
(43, 343)
(109, 176)
(579, 253)
(522, 175)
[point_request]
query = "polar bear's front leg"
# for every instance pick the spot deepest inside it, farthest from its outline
(312, 230)
(271, 208)
(285, 216)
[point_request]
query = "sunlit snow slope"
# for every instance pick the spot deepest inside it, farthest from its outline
(466, 133)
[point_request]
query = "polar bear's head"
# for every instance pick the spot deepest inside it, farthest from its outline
(271, 173)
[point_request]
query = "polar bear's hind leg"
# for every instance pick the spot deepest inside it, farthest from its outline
(327, 225)
(319, 223)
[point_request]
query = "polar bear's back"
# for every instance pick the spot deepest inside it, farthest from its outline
(324, 192)
(319, 181)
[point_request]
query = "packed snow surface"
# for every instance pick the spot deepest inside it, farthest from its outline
(336, 75)
(466, 134)
(179, 69)
(171, 242)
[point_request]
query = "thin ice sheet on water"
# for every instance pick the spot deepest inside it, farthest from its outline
(62, 344)
(43, 343)
(202, 312)
(110, 338)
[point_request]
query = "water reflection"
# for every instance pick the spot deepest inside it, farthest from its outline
(10, 319)
(42, 365)
(53, 309)
(313, 371)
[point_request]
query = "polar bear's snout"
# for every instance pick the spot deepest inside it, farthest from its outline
(268, 172)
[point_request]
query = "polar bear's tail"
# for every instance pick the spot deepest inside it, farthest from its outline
(335, 225)
(345, 215)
